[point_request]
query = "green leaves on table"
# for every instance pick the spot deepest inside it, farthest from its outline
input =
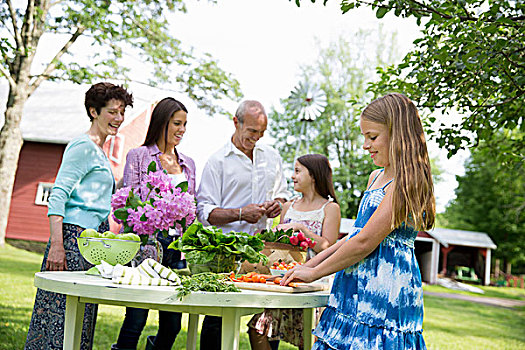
(207, 282)
(279, 235)
(201, 244)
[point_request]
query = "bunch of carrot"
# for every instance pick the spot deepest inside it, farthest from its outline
(249, 277)
(254, 277)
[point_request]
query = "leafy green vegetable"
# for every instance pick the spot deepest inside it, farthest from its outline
(207, 282)
(202, 244)
(278, 235)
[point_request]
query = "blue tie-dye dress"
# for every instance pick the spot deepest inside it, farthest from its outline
(378, 302)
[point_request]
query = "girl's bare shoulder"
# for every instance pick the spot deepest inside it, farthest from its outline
(372, 176)
(332, 208)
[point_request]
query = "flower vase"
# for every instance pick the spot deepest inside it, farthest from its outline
(149, 248)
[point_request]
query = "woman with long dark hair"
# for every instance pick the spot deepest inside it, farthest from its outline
(166, 129)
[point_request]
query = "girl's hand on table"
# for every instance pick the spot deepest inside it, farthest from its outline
(301, 273)
(56, 258)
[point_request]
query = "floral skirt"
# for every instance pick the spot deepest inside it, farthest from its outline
(46, 330)
(282, 324)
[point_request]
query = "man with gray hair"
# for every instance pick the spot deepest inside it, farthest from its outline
(242, 188)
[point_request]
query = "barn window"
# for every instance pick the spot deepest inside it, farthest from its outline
(42, 193)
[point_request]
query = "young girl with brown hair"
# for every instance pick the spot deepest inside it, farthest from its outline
(317, 215)
(376, 300)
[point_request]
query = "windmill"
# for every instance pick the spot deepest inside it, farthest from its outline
(309, 102)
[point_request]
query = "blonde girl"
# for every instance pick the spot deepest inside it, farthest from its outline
(376, 300)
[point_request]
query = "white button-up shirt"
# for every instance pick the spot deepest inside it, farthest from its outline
(231, 180)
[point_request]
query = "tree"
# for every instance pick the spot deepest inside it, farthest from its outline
(342, 72)
(110, 29)
(470, 58)
(490, 198)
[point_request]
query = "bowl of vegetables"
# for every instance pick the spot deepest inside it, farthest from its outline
(113, 249)
(279, 268)
(219, 264)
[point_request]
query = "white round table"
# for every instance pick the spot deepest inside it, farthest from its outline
(80, 289)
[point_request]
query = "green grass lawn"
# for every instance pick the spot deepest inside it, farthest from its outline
(457, 324)
(493, 292)
(448, 324)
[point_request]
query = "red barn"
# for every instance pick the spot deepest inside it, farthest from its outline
(37, 168)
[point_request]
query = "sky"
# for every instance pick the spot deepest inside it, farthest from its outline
(263, 44)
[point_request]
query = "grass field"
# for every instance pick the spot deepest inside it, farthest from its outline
(457, 324)
(448, 324)
(492, 292)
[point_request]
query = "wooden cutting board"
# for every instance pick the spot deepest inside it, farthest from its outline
(272, 287)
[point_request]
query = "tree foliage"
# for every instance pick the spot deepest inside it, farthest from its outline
(342, 71)
(490, 198)
(470, 58)
(110, 34)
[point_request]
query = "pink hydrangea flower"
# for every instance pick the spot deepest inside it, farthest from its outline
(162, 205)
(118, 200)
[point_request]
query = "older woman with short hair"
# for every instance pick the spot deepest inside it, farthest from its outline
(80, 199)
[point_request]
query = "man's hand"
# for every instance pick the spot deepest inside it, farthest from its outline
(252, 213)
(56, 258)
(273, 208)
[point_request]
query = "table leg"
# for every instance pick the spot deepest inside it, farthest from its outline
(73, 322)
(309, 324)
(193, 325)
(231, 321)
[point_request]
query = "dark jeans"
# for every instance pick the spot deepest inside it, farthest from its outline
(170, 257)
(211, 333)
(134, 322)
(169, 322)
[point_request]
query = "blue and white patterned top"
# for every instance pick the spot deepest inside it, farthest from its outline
(376, 303)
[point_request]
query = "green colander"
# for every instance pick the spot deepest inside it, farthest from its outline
(112, 251)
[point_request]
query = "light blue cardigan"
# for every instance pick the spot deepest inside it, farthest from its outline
(83, 186)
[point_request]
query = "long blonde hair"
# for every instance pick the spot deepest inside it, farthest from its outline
(413, 198)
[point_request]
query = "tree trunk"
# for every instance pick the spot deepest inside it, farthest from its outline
(20, 88)
(508, 269)
(10, 145)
